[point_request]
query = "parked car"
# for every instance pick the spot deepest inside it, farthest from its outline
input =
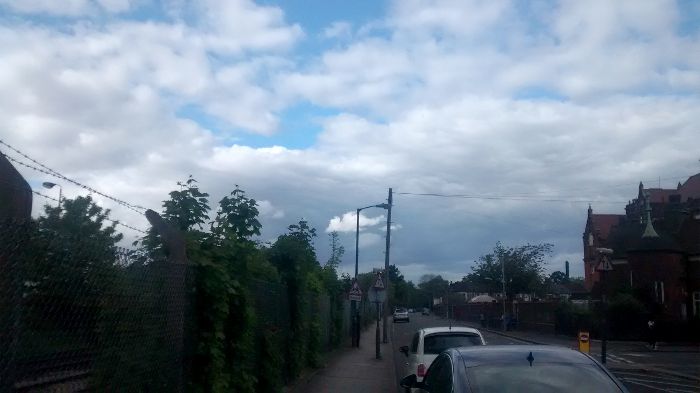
(426, 311)
(401, 314)
(428, 343)
(514, 368)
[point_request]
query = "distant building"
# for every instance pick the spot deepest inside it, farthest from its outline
(656, 249)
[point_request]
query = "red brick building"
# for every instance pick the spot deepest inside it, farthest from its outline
(655, 249)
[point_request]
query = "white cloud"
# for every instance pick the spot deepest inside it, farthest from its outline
(567, 102)
(64, 8)
(348, 222)
(266, 208)
(338, 29)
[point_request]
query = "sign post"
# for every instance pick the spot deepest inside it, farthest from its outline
(355, 295)
(603, 267)
(377, 295)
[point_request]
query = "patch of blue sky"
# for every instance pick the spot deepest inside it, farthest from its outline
(689, 11)
(315, 16)
(538, 93)
(299, 127)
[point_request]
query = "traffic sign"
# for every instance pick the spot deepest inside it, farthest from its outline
(355, 292)
(584, 342)
(376, 295)
(604, 265)
(379, 283)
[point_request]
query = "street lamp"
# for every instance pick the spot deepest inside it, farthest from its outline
(355, 321)
(49, 185)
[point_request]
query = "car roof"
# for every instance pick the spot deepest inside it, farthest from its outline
(475, 356)
(447, 329)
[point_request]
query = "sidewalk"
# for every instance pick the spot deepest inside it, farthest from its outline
(355, 370)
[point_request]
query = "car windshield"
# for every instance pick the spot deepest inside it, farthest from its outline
(540, 378)
(436, 343)
(400, 310)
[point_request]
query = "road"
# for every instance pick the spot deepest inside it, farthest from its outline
(626, 361)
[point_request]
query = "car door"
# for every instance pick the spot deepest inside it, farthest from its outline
(439, 377)
(412, 359)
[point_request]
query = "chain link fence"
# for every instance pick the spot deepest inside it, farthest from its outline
(79, 315)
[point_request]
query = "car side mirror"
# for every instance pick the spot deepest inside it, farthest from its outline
(404, 350)
(411, 381)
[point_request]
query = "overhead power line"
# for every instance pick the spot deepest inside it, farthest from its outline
(106, 219)
(51, 172)
(505, 197)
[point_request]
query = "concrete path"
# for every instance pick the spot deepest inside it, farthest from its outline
(352, 370)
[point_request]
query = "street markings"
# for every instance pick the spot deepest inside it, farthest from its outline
(656, 381)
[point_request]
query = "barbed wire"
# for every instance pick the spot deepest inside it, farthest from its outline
(135, 208)
(117, 222)
(51, 172)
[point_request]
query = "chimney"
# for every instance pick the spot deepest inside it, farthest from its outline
(566, 267)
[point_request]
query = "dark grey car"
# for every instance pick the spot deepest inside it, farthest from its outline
(515, 368)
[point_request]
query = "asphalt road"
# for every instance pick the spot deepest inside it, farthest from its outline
(622, 362)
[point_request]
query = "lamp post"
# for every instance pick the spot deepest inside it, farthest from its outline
(503, 281)
(49, 185)
(355, 313)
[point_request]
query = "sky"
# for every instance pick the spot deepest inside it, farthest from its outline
(531, 109)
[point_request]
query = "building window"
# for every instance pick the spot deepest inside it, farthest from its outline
(696, 303)
(659, 292)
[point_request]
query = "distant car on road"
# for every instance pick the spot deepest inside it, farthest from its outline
(515, 368)
(429, 342)
(425, 311)
(401, 314)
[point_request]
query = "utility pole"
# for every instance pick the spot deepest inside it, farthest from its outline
(355, 314)
(503, 278)
(386, 260)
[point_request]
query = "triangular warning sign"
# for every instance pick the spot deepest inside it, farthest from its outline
(355, 288)
(379, 283)
(604, 265)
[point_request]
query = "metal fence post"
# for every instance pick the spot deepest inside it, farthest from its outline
(174, 242)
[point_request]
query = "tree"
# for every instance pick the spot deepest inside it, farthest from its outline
(558, 277)
(337, 251)
(69, 265)
(434, 285)
(524, 269)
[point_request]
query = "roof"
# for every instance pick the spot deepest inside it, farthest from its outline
(482, 299)
(603, 223)
(660, 195)
(447, 329)
(479, 355)
(691, 188)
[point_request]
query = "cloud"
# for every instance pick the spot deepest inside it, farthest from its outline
(348, 222)
(67, 8)
(554, 106)
(266, 208)
(338, 29)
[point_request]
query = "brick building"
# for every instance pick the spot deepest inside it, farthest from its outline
(656, 250)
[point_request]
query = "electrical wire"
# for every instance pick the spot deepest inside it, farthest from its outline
(504, 197)
(106, 219)
(51, 172)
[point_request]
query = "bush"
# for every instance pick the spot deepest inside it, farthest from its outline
(626, 317)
